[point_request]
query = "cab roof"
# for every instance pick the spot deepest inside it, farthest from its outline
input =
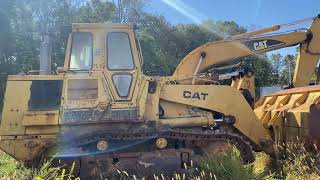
(101, 26)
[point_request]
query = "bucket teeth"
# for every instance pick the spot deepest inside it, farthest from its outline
(288, 111)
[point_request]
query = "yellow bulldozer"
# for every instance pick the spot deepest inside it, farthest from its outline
(100, 111)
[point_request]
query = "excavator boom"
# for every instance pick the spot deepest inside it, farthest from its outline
(258, 42)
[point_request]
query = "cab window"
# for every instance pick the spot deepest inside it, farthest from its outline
(81, 51)
(122, 83)
(119, 51)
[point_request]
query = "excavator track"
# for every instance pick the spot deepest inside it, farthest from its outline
(192, 142)
(199, 137)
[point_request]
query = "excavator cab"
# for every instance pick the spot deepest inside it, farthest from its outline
(102, 72)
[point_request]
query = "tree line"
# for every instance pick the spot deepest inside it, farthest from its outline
(24, 22)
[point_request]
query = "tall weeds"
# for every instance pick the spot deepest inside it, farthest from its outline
(11, 169)
(296, 162)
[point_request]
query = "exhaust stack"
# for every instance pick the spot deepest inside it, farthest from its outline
(45, 56)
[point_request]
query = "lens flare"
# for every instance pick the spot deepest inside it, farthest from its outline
(186, 10)
(189, 12)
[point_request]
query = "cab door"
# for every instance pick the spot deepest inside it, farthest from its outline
(121, 65)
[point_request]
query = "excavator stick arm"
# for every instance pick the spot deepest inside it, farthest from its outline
(308, 56)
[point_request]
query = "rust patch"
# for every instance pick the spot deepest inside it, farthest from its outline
(95, 115)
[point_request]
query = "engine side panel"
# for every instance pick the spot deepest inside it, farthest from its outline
(30, 115)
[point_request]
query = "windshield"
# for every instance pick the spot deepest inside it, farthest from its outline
(119, 51)
(81, 53)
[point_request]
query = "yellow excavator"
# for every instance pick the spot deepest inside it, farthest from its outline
(100, 111)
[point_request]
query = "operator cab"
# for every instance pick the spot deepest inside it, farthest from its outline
(102, 67)
(109, 48)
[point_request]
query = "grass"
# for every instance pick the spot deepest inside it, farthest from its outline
(299, 162)
(229, 167)
(296, 162)
(11, 169)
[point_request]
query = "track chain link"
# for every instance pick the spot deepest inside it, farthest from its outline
(191, 135)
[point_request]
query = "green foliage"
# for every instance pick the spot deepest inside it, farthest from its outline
(262, 68)
(282, 69)
(11, 169)
(228, 28)
(129, 11)
(5, 23)
(229, 166)
(299, 161)
(157, 44)
(46, 171)
(96, 11)
(287, 73)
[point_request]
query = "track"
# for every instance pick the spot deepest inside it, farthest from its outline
(201, 138)
(145, 157)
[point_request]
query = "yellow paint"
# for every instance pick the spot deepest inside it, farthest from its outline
(224, 99)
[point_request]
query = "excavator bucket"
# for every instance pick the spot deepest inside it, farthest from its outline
(291, 113)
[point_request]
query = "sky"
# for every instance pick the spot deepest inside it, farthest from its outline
(252, 14)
